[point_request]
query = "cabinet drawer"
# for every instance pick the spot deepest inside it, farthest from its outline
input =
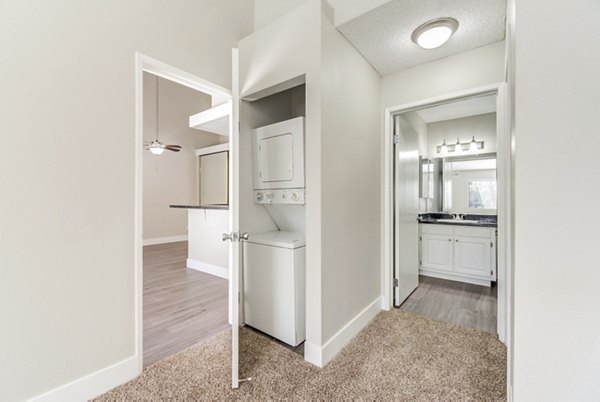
(427, 228)
(464, 231)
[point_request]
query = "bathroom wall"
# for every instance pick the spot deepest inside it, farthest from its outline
(482, 126)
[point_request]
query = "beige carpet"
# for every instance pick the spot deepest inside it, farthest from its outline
(399, 356)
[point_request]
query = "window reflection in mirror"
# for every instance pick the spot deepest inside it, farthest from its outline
(470, 184)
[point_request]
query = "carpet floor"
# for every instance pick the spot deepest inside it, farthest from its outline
(398, 356)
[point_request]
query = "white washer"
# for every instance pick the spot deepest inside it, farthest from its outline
(274, 285)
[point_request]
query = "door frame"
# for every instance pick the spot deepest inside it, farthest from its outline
(144, 63)
(505, 206)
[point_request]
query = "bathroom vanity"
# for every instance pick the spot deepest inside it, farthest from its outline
(462, 250)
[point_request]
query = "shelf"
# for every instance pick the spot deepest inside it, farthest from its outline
(214, 120)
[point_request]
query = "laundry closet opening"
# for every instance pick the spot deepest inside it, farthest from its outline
(447, 206)
(272, 211)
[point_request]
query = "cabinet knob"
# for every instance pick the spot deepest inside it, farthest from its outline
(449, 239)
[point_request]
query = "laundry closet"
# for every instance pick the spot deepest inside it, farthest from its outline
(274, 255)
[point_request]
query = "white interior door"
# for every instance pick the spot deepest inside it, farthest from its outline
(406, 210)
(504, 168)
(235, 263)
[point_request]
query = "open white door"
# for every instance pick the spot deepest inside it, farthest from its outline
(406, 210)
(233, 236)
(504, 213)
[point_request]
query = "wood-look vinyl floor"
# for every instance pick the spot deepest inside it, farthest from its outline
(464, 304)
(181, 306)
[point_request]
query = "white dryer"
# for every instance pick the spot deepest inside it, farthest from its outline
(274, 285)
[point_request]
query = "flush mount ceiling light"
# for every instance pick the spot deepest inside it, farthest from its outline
(434, 33)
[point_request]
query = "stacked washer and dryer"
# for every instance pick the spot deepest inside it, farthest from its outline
(274, 262)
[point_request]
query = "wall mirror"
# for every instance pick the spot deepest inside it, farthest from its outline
(469, 184)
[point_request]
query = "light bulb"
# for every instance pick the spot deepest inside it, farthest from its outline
(444, 147)
(473, 145)
(157, 150)
(457, 146)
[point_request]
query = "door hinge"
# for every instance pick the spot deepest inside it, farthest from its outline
(421, 238)
(491, 244)
(491, 272)
(396, 139)
(420, 262)
(395, 282)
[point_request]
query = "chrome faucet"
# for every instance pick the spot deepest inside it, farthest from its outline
(458, 217)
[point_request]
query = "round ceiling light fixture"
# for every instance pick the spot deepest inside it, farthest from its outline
(434, 33)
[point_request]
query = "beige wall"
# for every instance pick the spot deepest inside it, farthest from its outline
(557, 268)
(171, 178)
(350, 187)
(471, 69)
(482, 127)
(67, 212)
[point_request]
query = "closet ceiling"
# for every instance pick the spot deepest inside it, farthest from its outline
(382, 35)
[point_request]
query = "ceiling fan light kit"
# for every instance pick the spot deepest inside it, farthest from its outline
(157, 147)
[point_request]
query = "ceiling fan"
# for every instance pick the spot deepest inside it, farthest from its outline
(157, 147)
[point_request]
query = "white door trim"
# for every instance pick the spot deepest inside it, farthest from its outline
(387, 199)
(505, 207)
(148, 64)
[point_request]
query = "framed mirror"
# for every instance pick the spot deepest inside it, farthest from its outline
(213, 176)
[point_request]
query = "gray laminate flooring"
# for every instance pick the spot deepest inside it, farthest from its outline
(460, 303)
(181, 306)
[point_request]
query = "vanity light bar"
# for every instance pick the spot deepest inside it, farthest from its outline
(464, 146)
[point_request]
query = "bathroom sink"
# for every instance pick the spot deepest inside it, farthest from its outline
(456, 221)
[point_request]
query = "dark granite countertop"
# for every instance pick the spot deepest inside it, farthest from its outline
(486, 221)
(200, 206)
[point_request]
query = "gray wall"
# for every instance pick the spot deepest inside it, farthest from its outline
(67, 117)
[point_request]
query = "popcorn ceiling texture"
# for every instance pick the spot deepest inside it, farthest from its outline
(382, 35)
(398, 356)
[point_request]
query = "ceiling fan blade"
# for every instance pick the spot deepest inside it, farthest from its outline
(173, 146)
(172, 149)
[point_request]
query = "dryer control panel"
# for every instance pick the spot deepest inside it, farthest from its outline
(281, 196)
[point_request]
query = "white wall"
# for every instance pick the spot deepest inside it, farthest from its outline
(482, 127)
(557, 270)
(350, 188)
(171, 178)
(67, 117)
(474, 68)
(206, 245)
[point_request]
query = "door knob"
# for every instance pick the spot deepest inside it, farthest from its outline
(244, 236)
(226, 236)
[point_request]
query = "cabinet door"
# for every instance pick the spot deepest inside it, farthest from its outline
(436, 252)
(473, 256)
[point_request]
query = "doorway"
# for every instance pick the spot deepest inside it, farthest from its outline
(404, 266)
(175, 304)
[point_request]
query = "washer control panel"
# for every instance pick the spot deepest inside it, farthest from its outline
(285, 196)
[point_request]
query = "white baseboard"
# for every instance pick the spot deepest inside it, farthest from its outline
(221, 272)
(94, 384)
(163, 240)
(320, 356)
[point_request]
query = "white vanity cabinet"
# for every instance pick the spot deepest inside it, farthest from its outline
(459, 253)
(437, 248)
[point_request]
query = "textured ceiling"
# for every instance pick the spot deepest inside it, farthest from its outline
(455, 110)
(382, 35)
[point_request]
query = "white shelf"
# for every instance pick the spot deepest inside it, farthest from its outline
(214, 120)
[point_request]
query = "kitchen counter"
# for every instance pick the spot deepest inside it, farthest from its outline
(486, 221)
(200, 206)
